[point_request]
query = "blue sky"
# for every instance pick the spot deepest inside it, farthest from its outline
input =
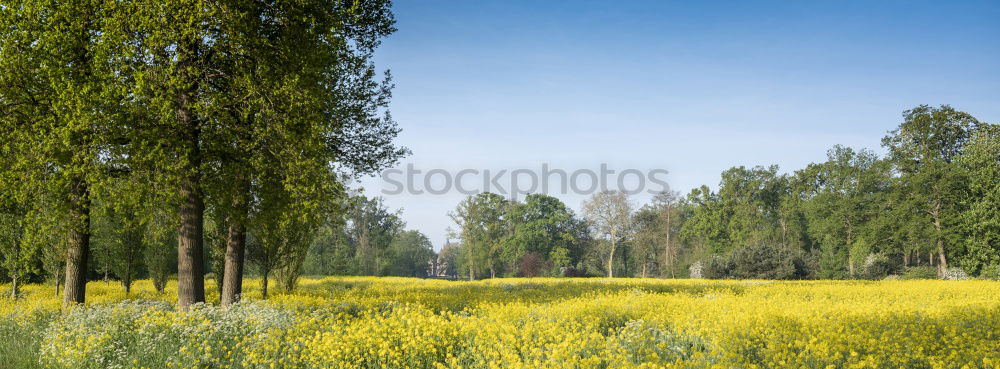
(690, 87)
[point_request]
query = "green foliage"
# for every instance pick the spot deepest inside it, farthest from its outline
(411, 253)
(545, 227)
(981, 220)
(482, 220)
(370, 230)
(919, 272)
(877, 266)
(758, 262)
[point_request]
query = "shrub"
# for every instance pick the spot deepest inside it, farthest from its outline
(990, 272)
(695, 271)
(531, 265)
(758, 262)
(717, 267)
(920, 272)
(876, 266)
(955, 274)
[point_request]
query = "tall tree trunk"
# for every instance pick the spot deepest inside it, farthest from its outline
(942, 259)
(78, 250)
(611, 260)
(191, 230)
(190, 237)
(472, 273)
(668, 258)
(13, 288)
(190, 263)
(232, 275)
(850, 254)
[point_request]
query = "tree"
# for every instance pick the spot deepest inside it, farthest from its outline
(60, 94)
(845, 195)
(609, 212)
(650, 235)
(923, 149)
(546, 227)
(330, 254)
(705, 228)
(411, 252)
(482, 221)
(448, 259)
(119, 242)
(667, 204)
(750, 200)
(285, 71)
(17, 256)
(285, 223)
(981, 222)
(371, 228)
(160, 256)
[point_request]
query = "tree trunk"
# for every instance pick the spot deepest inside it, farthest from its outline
(127, 278)
(611, 261)
(668, 258)
(190, 238)
(78, 250)
(850, 255)
(191, 230)
(263, 284)
(644, 266)
(942, 259)
(232, 277)
(493, 271)
(13, 288)
(472, 274)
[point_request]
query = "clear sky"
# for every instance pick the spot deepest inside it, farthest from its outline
(690, 87)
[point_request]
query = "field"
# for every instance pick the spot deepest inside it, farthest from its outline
(518, 323)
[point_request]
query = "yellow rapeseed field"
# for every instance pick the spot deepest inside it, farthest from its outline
(361, 322)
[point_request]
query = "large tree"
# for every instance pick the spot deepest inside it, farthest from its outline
(923, 150)
(981, 220)
(610, 215)
(546, 227)
(411, 253)
(483, 228)
(240, 91)
(371, 228)
(60, 95)
(845, 195)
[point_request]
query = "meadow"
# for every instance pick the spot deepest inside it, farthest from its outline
(367, 322)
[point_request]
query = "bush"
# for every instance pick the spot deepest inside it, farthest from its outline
(877, 266)
(717, 267)
(758, 262)
(991, 272)
(920, 272)
(695, 271)
(955, 274)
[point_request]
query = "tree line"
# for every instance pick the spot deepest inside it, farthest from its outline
(157, 137)
(929, 207)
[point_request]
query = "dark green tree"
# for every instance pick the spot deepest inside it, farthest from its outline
(923, 150)
(981, 221)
